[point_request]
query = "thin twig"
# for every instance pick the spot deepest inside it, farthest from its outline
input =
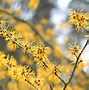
(32, 84)
(60, 78)
(34, 29)
(75, 66)
(22, 78)
(45, 64)
(10, 68)
(51, 88)
(55, 73)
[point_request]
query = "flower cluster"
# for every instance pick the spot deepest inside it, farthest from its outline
(74, 50)
(47, 73)
(18, 72)
(14, 40)
(39, 53)
(79, 19)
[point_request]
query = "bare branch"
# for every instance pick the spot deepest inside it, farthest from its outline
(75, 66)
(51, 88)
(60, 78)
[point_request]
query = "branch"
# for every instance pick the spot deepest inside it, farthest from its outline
(42, 62)
(55, 73)
(33, 28)
(22, 78)
(60, 78)
(75, 66)
(51, 88)
(36, 32)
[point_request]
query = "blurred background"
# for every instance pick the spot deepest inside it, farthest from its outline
(46, 23)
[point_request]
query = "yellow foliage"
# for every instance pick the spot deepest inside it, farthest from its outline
(3, 74)
(33, 4)
(58, 52)
(64, 25)
(46, 87)
(25, 31)
(45, 74)
(10, 1)
(12, 86)
(24, 59)
(57, 88)
(11, 46)
(39, 28)
(44, 21)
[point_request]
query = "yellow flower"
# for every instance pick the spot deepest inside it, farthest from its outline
(11, 62)
(13, 39)
(2, 55)
(74, 49)
(27, 47)
(3, 22)
(20, 73)
(40, 54)
(2, 60)
(79, 19)
(12, 72)
(38, 82)
(54, 68)
(11, 46)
